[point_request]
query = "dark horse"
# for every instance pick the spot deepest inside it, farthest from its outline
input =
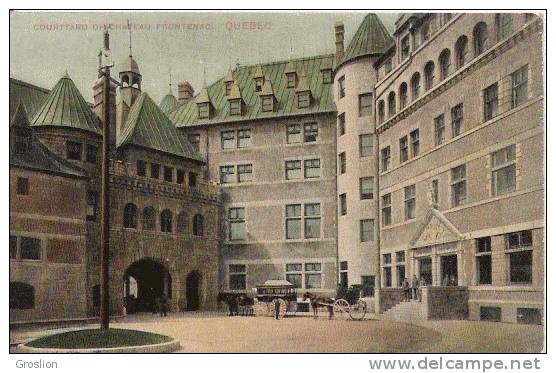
(320, 301)
(235, 302)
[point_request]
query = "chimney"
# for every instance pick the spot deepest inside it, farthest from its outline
(185, 91)
(98, 105)
(339, 31)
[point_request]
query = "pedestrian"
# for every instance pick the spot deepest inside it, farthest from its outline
(414, 287)
(163, 305)
(422, 284)
(277, 310)
(406, 290)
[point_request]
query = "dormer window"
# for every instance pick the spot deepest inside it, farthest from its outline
(204, 110)
(21, 144)
(235, 107)
(259, 84)
(292, 80)
(303, 99)
(267, 103)
(229, 87)
(326, 76)
(405, 47)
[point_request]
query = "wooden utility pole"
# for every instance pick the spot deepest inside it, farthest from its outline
(104, 71)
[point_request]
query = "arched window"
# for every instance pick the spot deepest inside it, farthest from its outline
(22, 296)
(429, 75)
(415, 86)
(480, 38)
(149, 218)
(125, 81)
(444, 62)
(391, 104)
(504, 25)
(182, 222)
(403, 95)
(166, 221)
(381, 111)
(461, 51)
(198, 222)
(130, 216)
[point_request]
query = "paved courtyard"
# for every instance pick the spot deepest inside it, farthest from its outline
(215, 332)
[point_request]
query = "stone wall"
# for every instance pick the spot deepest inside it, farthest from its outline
(446, 302)
(388, 298)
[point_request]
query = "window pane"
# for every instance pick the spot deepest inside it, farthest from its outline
(227, 174)
(312, 227)
(484, 264)
(505, 180)
(312, 168)
(228, 140)
(366, 187)
(312, 280)
(237, 282)
(365, 145)
(521, 267)
(293, 228)
(245, 172)
(311, 132)
(295, 267)
(237, 230)
(293, 210)
(30, 248)
(293, 133)
(244, 138)
(294, 279)
(293, 170)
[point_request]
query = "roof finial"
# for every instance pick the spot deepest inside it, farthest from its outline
(204, 75)
(129, 29)
(66, 74)
(170, 83)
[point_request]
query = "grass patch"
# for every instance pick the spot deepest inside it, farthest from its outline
(96, 338)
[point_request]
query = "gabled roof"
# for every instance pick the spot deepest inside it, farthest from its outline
(258, 72)
(302, 85)
(235, 92)
(147, 126)
(203, 97)
(434, 229)
(66, 107)
(371, 38)
(229, 76)
(31, 96)
(275, 82)
(168, 103)
(38, 157)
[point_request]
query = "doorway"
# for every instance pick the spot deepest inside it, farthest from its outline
(192, 291)
(144, 282)
(425, 270)
(449, 270)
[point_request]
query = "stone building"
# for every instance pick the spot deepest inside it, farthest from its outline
(417, 153)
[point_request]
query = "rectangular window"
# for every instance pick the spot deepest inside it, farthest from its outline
(342, 86)
(344, 274)
(490, 98)
(404, 151)
(303, 100)
(228, 139)
(267, 103)
(155, 171)
(180, 176)
(195, 140)
(405, 48)
(74, 150)
(519, 240)
(409, 197)
(400, 269)
(141, 168)
(459, 185)
(293, 134)
(434, 191)
(238, 276)
(387, 209)
(244, 173)
(365, 104)
(192, 176)
(342, 162)
(91, 155)
(385, 158)
(291, 80)
(505, 25)
(503, 171)
(528, 316)
(204, 110)
(311, 132)
(294, 273)
(366, 230)
(13, 247)
(92, 205)
(400, 257)
(491, 314)
(312, 168)
(414, 137)
(387, 258)
(235, 107)
(168, 174)
(237, 223)
(343, 204)
(293, 222)
(313, 275)
(243, 138)
(519, 86)
(484, 261)
(327, 76)
(227, 174)
(22, 186)
(457, 120)
(341, 124)
(30, 248)
(367, 286)
(387, 271)
(439, 130)
(365, 145)
(293, 170)
(366, 187)
(521, 267)
(312, 220)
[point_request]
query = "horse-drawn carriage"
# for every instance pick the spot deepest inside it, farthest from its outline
(346, 304)
(276, 295)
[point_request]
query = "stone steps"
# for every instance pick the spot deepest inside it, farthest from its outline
(406, 311)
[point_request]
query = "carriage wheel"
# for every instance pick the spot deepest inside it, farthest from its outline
(261, 309)
(283, 307)
(341, 308)
(358, 310)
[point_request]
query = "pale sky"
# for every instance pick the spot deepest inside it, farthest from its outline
(189, 45)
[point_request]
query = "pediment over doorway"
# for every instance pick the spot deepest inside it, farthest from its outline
(435, 229)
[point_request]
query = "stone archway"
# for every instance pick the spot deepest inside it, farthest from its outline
(193, 291)
(145, 280)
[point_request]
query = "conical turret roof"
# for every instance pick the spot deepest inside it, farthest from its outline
(168, 103)
(20, 117)
(66, 107)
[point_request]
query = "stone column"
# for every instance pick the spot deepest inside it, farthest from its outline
(435, 268)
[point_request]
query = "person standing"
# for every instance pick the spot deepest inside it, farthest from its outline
(414, 287)
(163, 305)
(277, 310)
(406, 290)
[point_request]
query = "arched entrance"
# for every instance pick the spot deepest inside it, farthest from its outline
(144, 281)
(192, 290)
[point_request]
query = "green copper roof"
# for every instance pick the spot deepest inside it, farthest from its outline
(66, 107)
(187, 114)
(20, 118)
(371, 37)
(149, 127)
(168, 103)
(29, 95)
